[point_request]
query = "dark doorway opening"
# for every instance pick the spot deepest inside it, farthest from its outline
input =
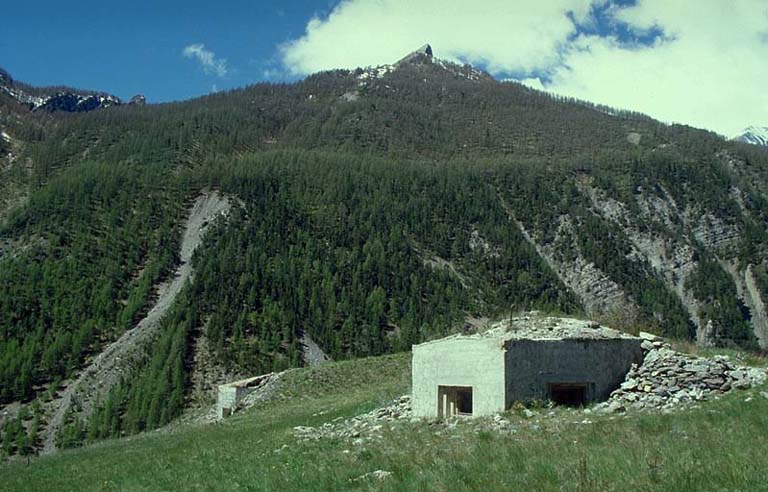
(454, 400)
(569, 394)
(464, 401)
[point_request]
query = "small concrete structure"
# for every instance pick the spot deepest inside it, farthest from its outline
(231, 394)
(521, 359)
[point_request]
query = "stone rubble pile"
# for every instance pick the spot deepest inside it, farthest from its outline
(365, 426)
(668, 379)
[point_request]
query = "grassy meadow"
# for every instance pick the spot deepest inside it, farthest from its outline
(719, 445)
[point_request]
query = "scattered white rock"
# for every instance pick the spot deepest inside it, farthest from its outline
(361, 427)
(375, 475)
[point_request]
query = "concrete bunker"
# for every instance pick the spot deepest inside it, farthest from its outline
(566, 361)
(231, 394)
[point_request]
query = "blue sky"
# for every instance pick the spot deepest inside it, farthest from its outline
(127, 48)
(699, 62)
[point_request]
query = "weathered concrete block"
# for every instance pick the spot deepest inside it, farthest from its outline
(523, 359)
(231, 394)
(461, 362)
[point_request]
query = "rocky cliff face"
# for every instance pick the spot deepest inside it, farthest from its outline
(55, 99)
(672, 238)
(600, 296)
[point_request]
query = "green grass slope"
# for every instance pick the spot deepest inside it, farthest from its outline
(717, 446)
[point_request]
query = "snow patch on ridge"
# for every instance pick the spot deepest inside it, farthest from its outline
(756, 135)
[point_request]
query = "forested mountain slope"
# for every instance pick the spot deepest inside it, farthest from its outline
(371, 209)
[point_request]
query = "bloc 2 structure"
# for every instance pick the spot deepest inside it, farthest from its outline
(232, 394)
(527, 358)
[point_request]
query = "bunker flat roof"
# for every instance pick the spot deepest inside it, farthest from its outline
(537, 327)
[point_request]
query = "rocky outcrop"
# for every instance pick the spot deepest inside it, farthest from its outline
(72, 102)
(749, 294)
(714, 233)
(138, 100)
(673, 257)
(55, 99)
(756, 305)
(672, 252)
(420, 56)
(438, 263)
(311, 353)
(600, 296)
(477, 243)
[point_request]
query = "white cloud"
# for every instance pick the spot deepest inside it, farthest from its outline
(708, 70)
(505, 35)
(207, 59)
(533, 83)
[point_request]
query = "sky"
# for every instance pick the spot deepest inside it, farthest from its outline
(699, 62)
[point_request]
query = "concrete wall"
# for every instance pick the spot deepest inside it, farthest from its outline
(531, 365)
(230, 394)
(227, 399)
(478, 363)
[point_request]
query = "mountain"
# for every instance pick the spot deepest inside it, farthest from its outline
(149, 252)
(757, 135)
(65, 99)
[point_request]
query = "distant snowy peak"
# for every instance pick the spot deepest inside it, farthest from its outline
(21, 96)
(55, 100)
(756, 135)
(74, 102)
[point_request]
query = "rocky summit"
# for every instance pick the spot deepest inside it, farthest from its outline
(421, 55)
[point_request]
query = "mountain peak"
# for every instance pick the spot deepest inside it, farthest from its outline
(756, 135)
(420, 56)
(138, 100)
